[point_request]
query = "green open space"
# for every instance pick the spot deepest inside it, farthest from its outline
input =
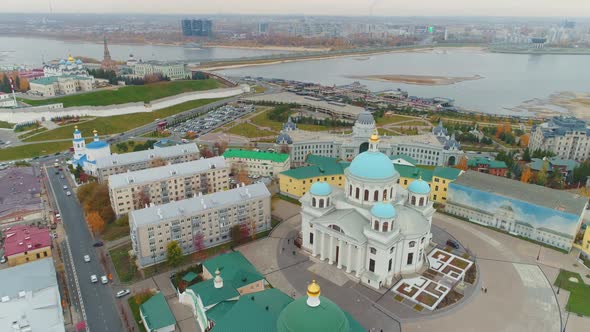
(118, 123)
(262, 120)
(579, 299)
(33, 150)
(136, 315)
(129, 94)
(249, 130)
(32, 132)
(113, 231)
(125, 267)
(8, 125)
(394, 119)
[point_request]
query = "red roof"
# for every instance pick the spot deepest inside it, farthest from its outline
(19, 239)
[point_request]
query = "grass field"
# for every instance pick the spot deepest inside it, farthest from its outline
(579, 300)
(250, 131)
(128, 94)
(393, 119)
(8, 125)
(136, 316)
(32, 132)
(113, 231)
(262, 120)
(33, 150)
(413, 123)
(118, 123)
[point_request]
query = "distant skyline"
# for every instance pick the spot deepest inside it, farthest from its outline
(538, 8)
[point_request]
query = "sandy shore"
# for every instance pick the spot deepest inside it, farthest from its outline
(560, 103)
(416, 79)
(272, 48)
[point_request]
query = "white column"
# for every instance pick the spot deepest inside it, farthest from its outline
(322, 246)
(340, 253)
(349, 258)
(359, 262)
(314, 246)
(331, 251)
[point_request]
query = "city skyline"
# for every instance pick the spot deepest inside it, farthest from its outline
(526, 8)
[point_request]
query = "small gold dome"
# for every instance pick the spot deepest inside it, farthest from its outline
(375, 137)
(71, 58)
(95, 131)
(76, 127)
(313, 289)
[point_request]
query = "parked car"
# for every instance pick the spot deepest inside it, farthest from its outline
(122, 293)
(98, 244)
(93, 278)
(453, 244)
(104, 280)
(87, 258)
(65, 187)
(68, 193)
(2, 260)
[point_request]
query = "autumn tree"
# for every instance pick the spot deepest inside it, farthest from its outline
(526, 175)
(244, 230)
(242, 177)
(236, 234)
(206, 153)
(462, 165)
(173, 253)
(158, 162)
(143, 199)
(220, 147)
(542, 176)
(524, 140)
(198, 241)
(95, 222)
(142, 296)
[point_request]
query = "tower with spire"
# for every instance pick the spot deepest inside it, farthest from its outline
(107, 63)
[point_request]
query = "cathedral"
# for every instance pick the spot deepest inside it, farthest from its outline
(373, 228)
(85, 155)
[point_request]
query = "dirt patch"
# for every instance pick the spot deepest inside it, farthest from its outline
(401, 289)
(451, 298)
(427, 299)
(457, 262)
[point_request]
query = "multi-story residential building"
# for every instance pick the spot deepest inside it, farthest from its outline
(199, 222)
(434, 149)
(567, 137)
(25, 244)
(135, 161)
(485, 165)
(31, 300)
(60, 85)
(198, 28)
(257, 163)
(172, 70)
(160, 185)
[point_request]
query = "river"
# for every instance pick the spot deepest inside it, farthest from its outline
(509, 80)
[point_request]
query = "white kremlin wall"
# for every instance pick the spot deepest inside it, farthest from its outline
(40, 113)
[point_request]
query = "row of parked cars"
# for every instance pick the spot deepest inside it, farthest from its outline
(213, 119)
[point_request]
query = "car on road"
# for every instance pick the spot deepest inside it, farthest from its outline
(93, 278)
(104, 280)
(98, 244)
(122, 293)
(453, 244)
(2, 260)
(65, 187)
(68, 193)
(62, 176)
(87, 258)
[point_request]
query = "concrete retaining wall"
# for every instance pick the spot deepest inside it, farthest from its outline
(48, 112)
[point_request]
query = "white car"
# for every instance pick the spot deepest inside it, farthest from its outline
(122, 293)
(93, 278)
(65, 187)
(104, 280)
(2, 260)
(68, 193)
(86, 258)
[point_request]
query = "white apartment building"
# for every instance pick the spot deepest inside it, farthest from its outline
(199, 222)
(135, 161)
(60, 85)
(567, 137)
(257, 163)
(175, 71)
(161, 185)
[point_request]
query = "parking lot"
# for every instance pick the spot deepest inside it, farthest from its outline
(212, 120)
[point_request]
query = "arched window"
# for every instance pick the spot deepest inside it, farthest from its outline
(313, 201)
(376, 196)
(350, 190)
(366, 195)
(385, 226)
(385, 194)
(421, 201)
(413, 201)
(358, 192)
(321, 202)
(391, 193)
(327, 202)
(376, 226)
(412, 244)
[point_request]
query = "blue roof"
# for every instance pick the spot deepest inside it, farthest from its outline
(383, 210)
(420, 187)
(320, 189)
(96, 145)
(372, 165)
(78, 139)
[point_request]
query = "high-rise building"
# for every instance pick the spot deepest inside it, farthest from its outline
(262, 28)
(197, 28)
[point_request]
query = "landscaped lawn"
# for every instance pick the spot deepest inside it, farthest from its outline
(118, 123)
(262, 120)
(123, 266)
(128, 94)
(136, 316)
(113, 231)
(32, 132)
(579, 300)
(393, 119)
(249, 130)
(4, 124)
(33, 150)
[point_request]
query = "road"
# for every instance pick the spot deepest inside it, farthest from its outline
(98, 303)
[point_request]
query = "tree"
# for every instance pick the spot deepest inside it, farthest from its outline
(198, 241)
(581, 172)
(142, 296)
(524, 140)
(526, 155)
(158, 162)
(542, 174)
(173, 253)
(462, 165)
(95, 222)
(236, 234)
(526, 175)
(244, 231)
(206, 153)
(242, 177)
(220, 147)
(555, 179)
(143, 199)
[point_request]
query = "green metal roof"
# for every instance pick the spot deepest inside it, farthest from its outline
(485, 161)
(255, 312)
(44, 80)
(219, 311)
(190, 276)
(156, 312)
(449, 173)
(259, 155)
(234, 268)
(320, 166)
(414, 172)
(537, 163)
(299, 316)
(404, 157)
(211, 295)
(354, 325)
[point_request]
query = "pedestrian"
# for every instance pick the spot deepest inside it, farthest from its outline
(293, 252)
(283, 248)
(485, 290)
(288, 241)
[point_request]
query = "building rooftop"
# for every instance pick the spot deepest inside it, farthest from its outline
(259, 155)
(413, 172)
(301, 137)
(288, 97)
(320, 166)
(142, 156)
(542, 196)
(234, 268)
(20, 191)
(474, 162)
(449, 173)
(25, 238)
(191, 206)
(560, 125)
(537, 163)
(165, 172)
(211, 295)
(44, 80)
(405, 158)
(156, 312)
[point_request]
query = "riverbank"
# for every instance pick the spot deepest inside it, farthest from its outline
(560, 103)
(416, 79)
(270, 48)
(541, 51)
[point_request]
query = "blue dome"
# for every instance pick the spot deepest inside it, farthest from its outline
(320, 189)
(383, 210)
(372, 165)
(420, 187)
(96, 145)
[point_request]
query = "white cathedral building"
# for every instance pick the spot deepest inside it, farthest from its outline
(86, 155)
(373, 228)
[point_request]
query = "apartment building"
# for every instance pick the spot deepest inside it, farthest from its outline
(567, 137)
(161, 185)
(199, 222)
(135, 161)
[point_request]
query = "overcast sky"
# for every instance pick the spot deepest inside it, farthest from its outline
(560, 8)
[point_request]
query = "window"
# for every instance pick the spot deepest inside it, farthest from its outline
(313, 201)
(421, 201)
(412, 244)
(366, 195)
(350, 190)
(376, 196)
(385, 226)
(373, 250)
(376, 225)
(357, 193)
(385, 194)
(310, 238)
(410, 258)
(391, 250)
(390, 263)
(321, 202)
(371, 265)
(413, 201)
